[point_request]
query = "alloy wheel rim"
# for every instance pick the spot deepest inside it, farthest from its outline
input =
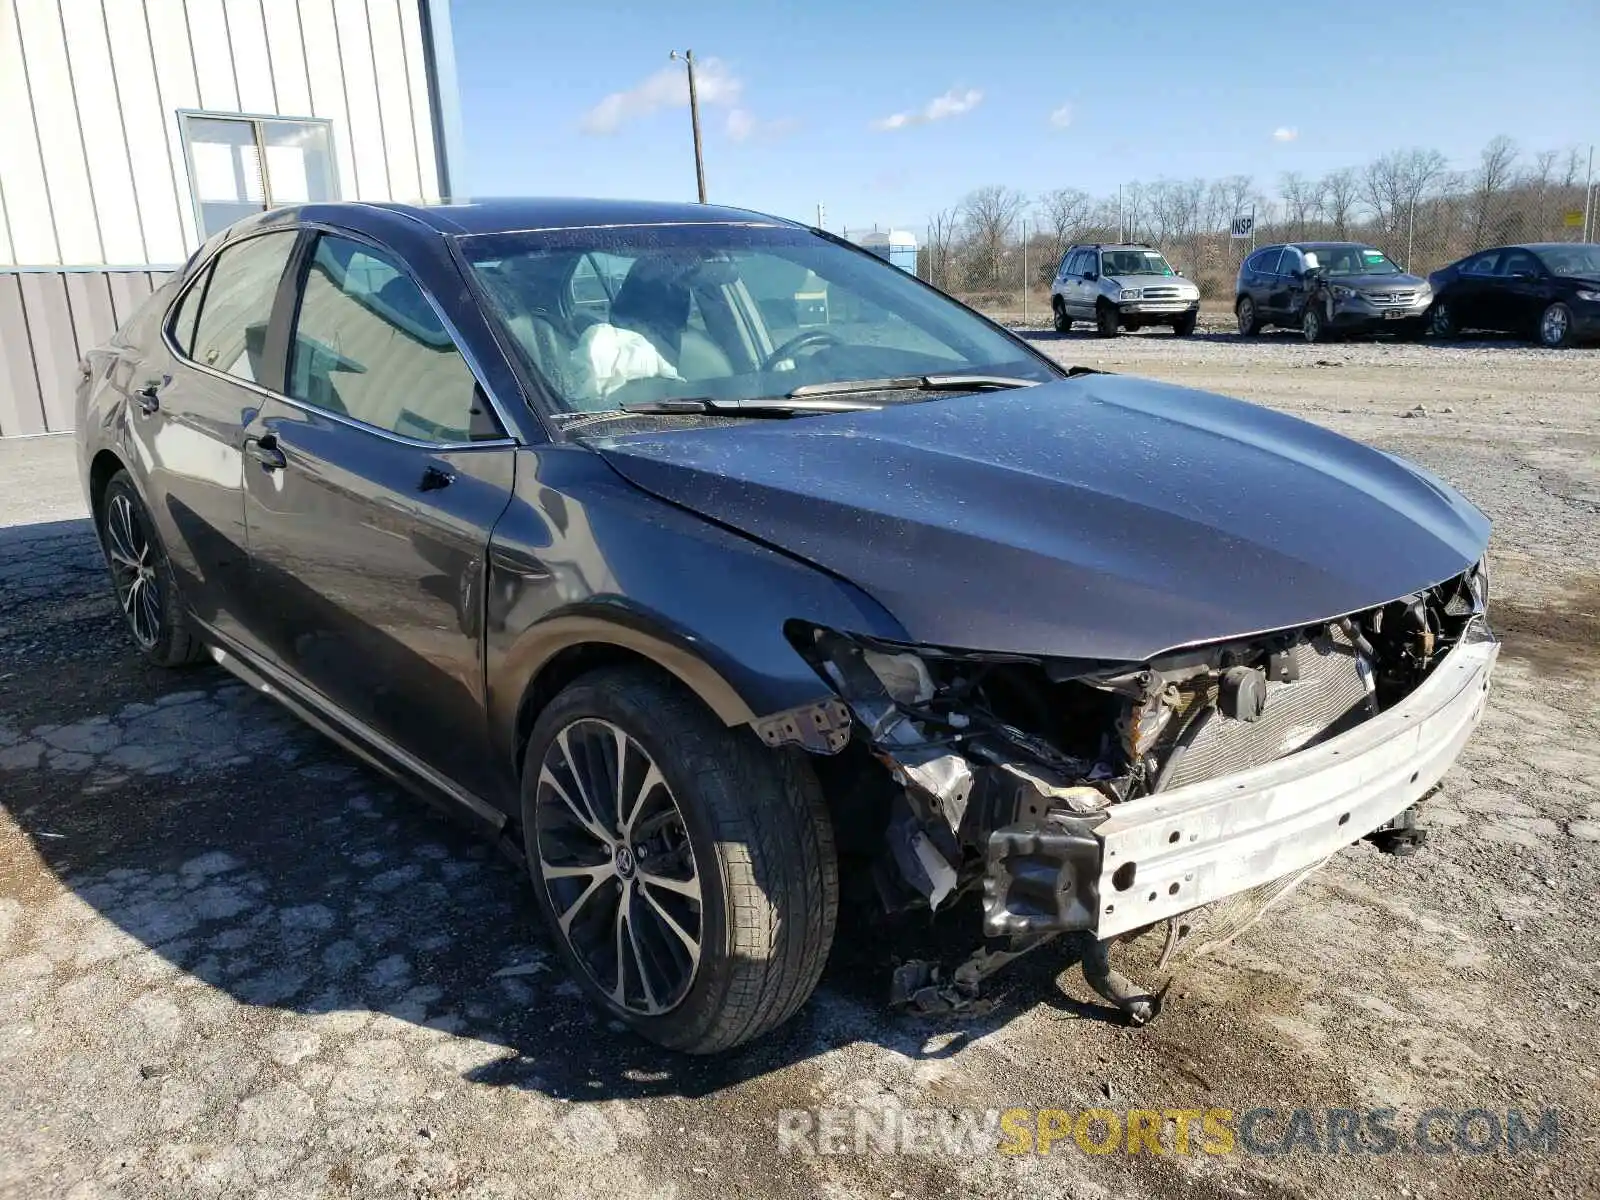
(133, 570)
(1312, 326)
(615, 860)
(1554, 326)
(1246, 312)
(1441, 320)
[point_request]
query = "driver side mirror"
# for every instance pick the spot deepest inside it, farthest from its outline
(1091, 276)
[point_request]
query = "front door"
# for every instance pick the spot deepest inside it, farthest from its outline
(370, 495)
(1523, 293)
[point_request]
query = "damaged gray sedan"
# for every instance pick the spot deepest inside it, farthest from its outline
(707, 559)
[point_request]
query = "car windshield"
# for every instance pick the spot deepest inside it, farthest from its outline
(640, 315)
(1353, 260)
(1572, 260)
(1134, 262)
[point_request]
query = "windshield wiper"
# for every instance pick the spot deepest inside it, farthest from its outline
(747, 408)
(919, 383)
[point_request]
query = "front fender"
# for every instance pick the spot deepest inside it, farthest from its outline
(581, 557)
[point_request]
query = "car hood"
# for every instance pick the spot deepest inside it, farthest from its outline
(1150, 279)
(1583, 281)
(1099, 517)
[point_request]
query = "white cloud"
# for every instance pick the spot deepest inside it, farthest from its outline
(1285, 133)
(743, 126)
(1062, 117)
(666, 88)
(952, 104)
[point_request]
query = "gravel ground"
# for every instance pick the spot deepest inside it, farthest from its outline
(235, 963)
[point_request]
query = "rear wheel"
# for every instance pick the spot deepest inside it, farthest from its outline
(1058, 312)
(142, 578)
(1108, 322)
(1555, 327)
(1184, 325)
(1312, 325)
(685, 871)
(1249, 318)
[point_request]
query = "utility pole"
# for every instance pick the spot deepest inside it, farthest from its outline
(1026, 282)
(687, 57)
(1588, 193)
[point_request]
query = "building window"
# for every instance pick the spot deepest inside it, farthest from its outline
(244, 165)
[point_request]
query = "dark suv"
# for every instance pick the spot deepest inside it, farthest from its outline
(1328, 289)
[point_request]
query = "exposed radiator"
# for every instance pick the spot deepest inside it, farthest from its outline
(1330, 695)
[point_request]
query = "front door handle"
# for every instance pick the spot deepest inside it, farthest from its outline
(264, 450)
(435, 478)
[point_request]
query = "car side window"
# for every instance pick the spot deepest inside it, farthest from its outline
(1519, 262)
(1482, 264)
(1265, 262)
(368, 345)
(1290, 262)
(230, 328)
(188, 310)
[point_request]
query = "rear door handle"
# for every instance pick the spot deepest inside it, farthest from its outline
(264, 450)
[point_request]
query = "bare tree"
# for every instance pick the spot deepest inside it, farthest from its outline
(1068, 214)
(1489, 188)
(1302, 201)
(988, 217)
(941, 241)
(1391, 187)
(1340, 194)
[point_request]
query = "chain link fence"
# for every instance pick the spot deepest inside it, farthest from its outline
(998, 249)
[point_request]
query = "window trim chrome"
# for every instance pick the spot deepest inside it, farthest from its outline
(318, 227)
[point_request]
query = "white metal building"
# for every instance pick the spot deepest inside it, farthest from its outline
(131, 130)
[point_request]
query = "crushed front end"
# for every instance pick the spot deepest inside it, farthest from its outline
(1102, 798)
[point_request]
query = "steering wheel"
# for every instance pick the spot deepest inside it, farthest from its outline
(800, 341)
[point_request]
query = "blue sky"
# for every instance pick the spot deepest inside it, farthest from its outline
(889, 110)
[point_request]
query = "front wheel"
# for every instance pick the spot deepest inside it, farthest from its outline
(1108, 323)
(142, 579)
(1184, 325)
(1063, 323)
(1312, 325)
(1442, 320)
(1555, 327)
(685, 871)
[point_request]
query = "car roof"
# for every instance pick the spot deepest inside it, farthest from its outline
(1328, 245)
(1111, 246)
(509, 214)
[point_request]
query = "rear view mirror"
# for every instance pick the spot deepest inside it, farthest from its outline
(1091, 276)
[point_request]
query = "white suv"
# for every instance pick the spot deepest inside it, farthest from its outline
(1122, 287)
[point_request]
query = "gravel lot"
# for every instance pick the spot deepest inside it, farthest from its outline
(235, 963)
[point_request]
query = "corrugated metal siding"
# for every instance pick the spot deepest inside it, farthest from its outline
(92, 170)
(48, 321)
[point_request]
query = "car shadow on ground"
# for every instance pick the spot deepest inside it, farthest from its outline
(179, 820)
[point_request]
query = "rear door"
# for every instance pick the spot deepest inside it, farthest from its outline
(1080, 303)
(370, 494)
(190, 401)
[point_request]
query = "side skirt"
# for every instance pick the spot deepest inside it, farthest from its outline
(356, 737)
